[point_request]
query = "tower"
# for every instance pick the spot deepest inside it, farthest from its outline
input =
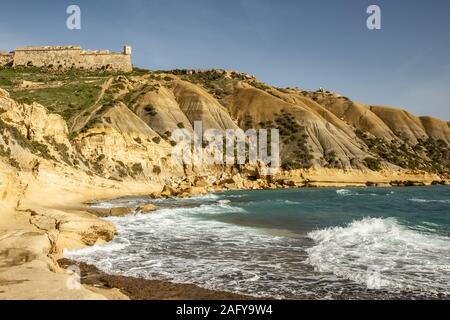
(127, 50)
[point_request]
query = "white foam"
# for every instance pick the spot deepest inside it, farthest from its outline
(176, 245)
(344, 192)
(429, 200)
(116, 246)
(290, 202)
(189, 245)
(402, 258)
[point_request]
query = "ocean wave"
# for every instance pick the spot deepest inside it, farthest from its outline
(174, 244)
(345, 192)
(119, 244)
(383, 254)
(291, 202)
(209, 196)
(429, 200)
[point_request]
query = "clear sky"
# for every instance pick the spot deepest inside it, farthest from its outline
(309, 44)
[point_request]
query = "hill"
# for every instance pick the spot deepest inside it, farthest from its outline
(119, 124)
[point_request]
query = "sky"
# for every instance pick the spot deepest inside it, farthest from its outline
(285, 43)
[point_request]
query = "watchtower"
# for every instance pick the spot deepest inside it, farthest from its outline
(127, 50)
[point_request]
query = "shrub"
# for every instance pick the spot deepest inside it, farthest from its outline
(156, 169)
(156, 140)
(137, 168)
(372, 163)
(150, 110)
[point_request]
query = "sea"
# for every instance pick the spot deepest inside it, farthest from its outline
(318, 243)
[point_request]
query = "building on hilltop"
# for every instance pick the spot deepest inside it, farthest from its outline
(68, 57)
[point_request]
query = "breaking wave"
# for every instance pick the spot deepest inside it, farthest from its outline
(383, 254)
(429, 201)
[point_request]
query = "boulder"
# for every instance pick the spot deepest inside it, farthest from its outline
(230, 186)
(168, 192)
(201, 182)
(192, 191)
(120, 211)
(197, 190)
(147, 208)
(155, 195)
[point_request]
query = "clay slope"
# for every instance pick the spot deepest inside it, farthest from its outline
(390, 124)
(327, 143)
(354, 113)
(297, 98)
(126, 131)
(436, 128)
(402, 123)
(198, 105)
(160, 110)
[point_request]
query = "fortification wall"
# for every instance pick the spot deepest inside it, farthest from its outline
(109, 61)
(67, 57)
(64, 57)
(6, 58)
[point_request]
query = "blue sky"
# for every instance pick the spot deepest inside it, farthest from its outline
(308, 44)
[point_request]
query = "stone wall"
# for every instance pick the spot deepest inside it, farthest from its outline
(113, 61)
(6, 58)
(67, 57)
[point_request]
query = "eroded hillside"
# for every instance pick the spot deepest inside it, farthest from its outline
(118, 126)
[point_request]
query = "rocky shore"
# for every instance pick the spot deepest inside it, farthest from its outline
(142, 289)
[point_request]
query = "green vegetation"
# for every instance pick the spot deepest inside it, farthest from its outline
(216, 83)
(331, 159)
(150, 110)
(68, 100)
(156, 140)
(295, 153)
(137, 169)
(247, 122)
(373, 164)
(61, 148)
(430, 155)
(33, 146)
(67, 93)
(156, 169)
(6, 153)
(259, 85)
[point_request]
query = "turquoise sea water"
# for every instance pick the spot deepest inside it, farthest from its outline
(299, 243)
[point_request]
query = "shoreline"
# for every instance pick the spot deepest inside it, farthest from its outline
(144, 289)
(47, 213)
(128, 284)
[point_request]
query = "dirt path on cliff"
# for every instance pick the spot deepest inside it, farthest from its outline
(80, 120)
